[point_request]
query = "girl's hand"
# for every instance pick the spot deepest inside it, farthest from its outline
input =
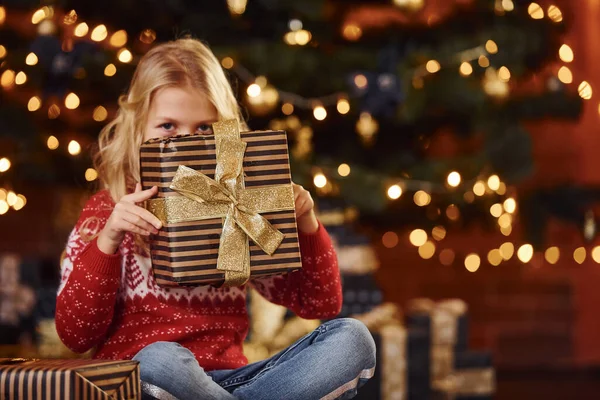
(127, 216)
(305, 213)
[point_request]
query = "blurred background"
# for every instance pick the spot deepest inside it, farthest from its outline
(451, 147)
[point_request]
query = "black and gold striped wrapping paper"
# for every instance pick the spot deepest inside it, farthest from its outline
(32, 379)
(185, 253)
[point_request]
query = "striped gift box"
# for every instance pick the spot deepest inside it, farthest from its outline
(25, 379)
(185, 253)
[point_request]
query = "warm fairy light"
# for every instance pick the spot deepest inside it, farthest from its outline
(53, 111)
(91, 174)
(585, 90)
(99, 33)
(253, 90)
(8, 78)
(227, 62)
(110, 70)
(3, 194)
(466, 69)
(40, 15)
(565, 75)
(452, 212)
(493, 182)
(11, 198)
(504, 74)
(3, 207)
(552, 255)
(422, 198)
(287, 108)
(320, 113)
(2, 51)
(344, 170)
(508, 5)
(343, 106)
(100, 114)
(535, 11)
(505, 220)
(525, 253)
(21, 78)
(438, 233)
(389, 239)
(472, 262)
(433, 66)
(479, 188)
(52, 143)
(507, 250)
(555, 14)
(295, 24)
(453, 179)
(394, 192)
(147, 36)
(596, 254)
(2, 15)
(494, 257)
(491, 47)
(427, 250)
(484, 62)
(20, 203)
(4, 164)
(446, 257)
(418, 237)
(360, 81)
(367, 127)
(501, 189)
(469, 197)
(352, 32)
(71, 101)
(118, 39)
(31, 59)
(74, 148)
(510, 205)
(506, 230)
(70, 18)
(124, 56)
(81, 29)
(34, 103)
(302, 37)
(320, 180)
(237, 7)
(496, 210)
(579, 255)
(566, 53)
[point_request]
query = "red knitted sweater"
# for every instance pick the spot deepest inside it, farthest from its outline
(113, 304)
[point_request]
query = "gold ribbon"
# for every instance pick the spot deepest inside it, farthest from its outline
(226, 197)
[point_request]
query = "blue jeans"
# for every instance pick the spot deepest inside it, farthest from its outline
(332, 362)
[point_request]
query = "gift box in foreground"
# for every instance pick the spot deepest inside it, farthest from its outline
(25, 379)
(227, 205)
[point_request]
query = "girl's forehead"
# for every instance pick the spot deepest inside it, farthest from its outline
(181, 102)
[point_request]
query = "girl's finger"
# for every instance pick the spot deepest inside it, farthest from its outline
(144, 214)
(138, 197)
(139, 222)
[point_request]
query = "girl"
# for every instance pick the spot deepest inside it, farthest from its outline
(189, 341)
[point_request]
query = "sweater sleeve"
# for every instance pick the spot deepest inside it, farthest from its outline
(90, 280)
(314, 291)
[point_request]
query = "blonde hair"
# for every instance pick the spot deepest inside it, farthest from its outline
(183, 62)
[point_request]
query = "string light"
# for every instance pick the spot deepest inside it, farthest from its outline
(40, 15)
(53, 111)
(361, 81)
(418, 237)
(565, 75)
(2, 15)
(596, 254)
(452, 212)
(21, 78)
(491, 47)
(3, 207)
(124, 56)
(4, 164)
(302, 37)
(343, 106)
(579, 255)
(432, 66)
(466, 69)
(74, 148)
(472, 262)
(320, 113)
(100, 114)
(453, 179)
(427, 250)
(110, 70)
(99, 33)
(585, 90)
(8, 78)
(320, 180)
(507, 250)
(344, 170)
(566, 53)
(552, 255)
(352, 32)
(479, 188)
(508, 5)
(510, 205)
(20, 203)
(505, 220)
(52, 143)
(390, 239)
(237, 7)
(70, 18)
(394, 192)
(34, 103)
(81, 30)
(525, 253)
(227, 62)
(287, 108)
(295, 24)
(535, 11)
(494, 182)
(91, 174)
(555, 14)
(118, 39)
(446, 257)
(11, 198)
(147, 36)
(496, 210)
(506, 230)
(367, 127)
(494, 257)
(2, 51)
(71, 101)
(253, 90)
(31, 59)
(422, 198)
(504, 74)
(438, 233)
(501, 189)
(483, 61)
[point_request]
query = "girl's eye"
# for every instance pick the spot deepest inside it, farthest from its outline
(167, 126)
(205, 129)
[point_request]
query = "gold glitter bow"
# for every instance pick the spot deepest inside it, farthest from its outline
(225, 196)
